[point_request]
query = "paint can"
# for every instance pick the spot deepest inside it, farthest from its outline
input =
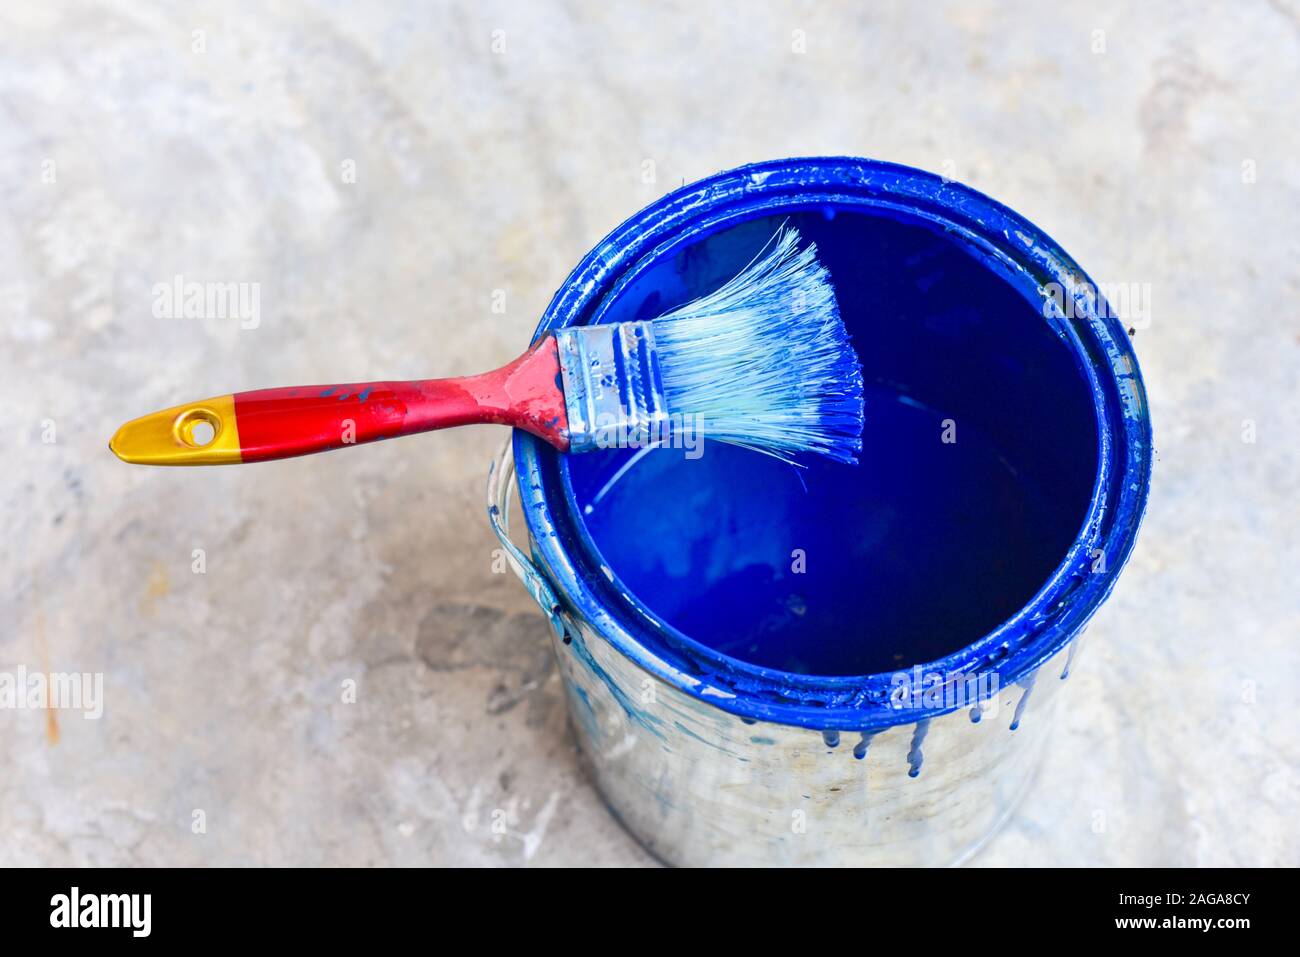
(841, 665)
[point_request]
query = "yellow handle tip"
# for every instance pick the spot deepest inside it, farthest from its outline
(197, 433)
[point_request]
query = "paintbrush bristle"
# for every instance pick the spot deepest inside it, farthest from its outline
(765, 361)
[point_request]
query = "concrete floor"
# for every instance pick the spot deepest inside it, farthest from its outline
(387, 174)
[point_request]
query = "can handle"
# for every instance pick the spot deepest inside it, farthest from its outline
(500, 481)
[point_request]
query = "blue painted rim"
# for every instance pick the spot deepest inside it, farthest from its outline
(1027, 258)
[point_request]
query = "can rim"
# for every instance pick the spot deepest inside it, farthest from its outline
(1011, 652)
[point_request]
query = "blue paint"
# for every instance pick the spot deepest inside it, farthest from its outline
(832, 738)
(864, 742)
(906, 558)
(973, 556)
(365, 394)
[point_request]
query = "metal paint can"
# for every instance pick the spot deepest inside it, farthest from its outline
(905, 717)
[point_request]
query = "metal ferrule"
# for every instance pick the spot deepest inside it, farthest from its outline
(613, 389)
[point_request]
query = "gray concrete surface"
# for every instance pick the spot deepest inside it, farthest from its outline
(381, 171)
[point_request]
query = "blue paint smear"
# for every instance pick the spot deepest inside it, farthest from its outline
(584, 712)
(710, 742)
(638, 716)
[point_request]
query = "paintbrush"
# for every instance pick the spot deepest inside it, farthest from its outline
(763, 362)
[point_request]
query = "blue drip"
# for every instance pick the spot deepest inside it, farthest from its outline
(914, 755)
(860, 749)
(1027, 682)
(1069, 657)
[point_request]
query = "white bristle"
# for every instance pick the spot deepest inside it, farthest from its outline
(765, 361)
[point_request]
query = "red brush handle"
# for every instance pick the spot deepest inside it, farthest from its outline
(279, 423)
